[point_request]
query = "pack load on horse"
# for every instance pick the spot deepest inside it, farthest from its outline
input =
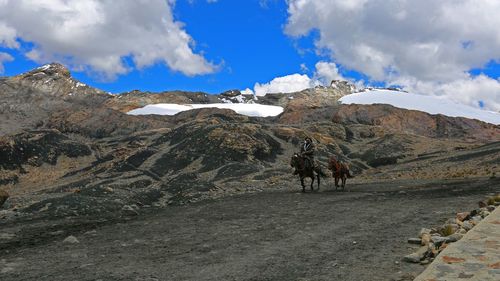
(340, 170)
(304, 164)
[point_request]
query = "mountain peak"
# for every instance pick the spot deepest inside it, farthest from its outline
(52, 69)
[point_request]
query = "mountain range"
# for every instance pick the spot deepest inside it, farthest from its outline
(67, 147)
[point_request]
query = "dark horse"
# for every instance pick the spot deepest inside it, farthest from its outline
(340, 170)
(298, 162)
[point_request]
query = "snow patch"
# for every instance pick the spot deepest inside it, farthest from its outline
(429, 104)
(254, 110)
(44, 67)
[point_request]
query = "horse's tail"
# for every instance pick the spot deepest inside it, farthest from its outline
(348, 171)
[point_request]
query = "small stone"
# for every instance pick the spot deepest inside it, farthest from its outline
(417, 256)
(462, 216)
(424, 262)
(438, 239)
(91, 232)
(476, 219)
(455, 237)
(426, 238)
(485, 214)
(108, 189)
(414, 241)
(71, 240)
(467, 225)
(462, 231)
(490, 208)
(129, 211)
(424, 231)
(354, 242)
(482, 204)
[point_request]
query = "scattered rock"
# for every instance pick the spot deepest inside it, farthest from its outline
(484, 214)
(417, 256)
(91, 232)
(475, 220)
(463, 216)
(438, 239)
(128, 210)
(467, 225)
(414, 241)
(482, 204)
(3, 197)
(71, 240)
(455, 237)
(424, 231)
(426, 239)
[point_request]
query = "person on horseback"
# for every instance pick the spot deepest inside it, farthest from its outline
(307, 152)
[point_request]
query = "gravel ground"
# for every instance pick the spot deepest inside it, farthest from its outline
(359, 234)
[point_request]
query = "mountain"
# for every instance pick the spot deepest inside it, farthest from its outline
(68, 148)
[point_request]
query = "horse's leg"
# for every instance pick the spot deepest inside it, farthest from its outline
(336, 181)
(302, 183)
(317, 176)
(344, 177)
(312, 182)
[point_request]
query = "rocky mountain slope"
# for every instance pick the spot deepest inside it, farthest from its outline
(67, 148)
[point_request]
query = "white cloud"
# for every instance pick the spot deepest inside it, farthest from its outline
(324, 73)
(285, 84)
(99, 34)
(420, 42)
(4, 57)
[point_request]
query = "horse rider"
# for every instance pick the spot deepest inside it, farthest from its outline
(307, 152)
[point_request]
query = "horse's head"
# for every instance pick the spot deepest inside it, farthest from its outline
(295, 161)
(333, 163)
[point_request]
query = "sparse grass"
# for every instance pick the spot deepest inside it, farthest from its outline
(448, 230)
(491, 201)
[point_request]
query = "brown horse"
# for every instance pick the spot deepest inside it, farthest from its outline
(340, 170)
(298, 162)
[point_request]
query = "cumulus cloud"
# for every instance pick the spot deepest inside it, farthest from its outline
(324, 73)
(4, 57)
(285, 84)
(422, 42)
(99, 35)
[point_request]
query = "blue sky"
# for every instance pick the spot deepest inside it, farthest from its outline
(440, 48)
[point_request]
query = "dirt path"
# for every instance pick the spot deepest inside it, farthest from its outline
(278, 235)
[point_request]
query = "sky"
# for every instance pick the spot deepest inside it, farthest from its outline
(447, 48)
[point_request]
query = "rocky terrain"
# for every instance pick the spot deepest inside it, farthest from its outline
(71, 159)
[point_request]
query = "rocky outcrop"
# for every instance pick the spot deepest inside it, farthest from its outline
(35, 148)
(415, 122)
